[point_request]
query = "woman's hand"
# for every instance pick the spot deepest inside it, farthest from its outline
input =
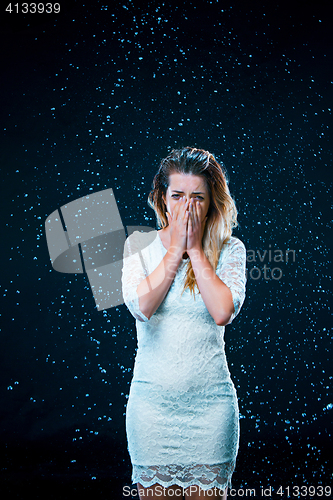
(178, 223)
(195, 228)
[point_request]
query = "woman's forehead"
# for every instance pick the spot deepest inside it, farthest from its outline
(187, 182)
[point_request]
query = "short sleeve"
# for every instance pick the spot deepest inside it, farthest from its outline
(133, 273)
(232, 271)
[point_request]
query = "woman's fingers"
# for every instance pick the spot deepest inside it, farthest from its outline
(176, 209)
(195, 211)
(180, 214)
(181, 208)
(196, 224)
(197, 214)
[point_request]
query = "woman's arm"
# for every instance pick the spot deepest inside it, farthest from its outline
(152, 290)
(215, 294)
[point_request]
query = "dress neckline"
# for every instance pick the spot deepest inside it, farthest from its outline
(158, 234)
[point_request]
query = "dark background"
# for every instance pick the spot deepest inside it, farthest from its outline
(93, 98)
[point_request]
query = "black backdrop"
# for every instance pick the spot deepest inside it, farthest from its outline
(93, 98)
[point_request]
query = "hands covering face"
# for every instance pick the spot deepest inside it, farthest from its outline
(187, 224)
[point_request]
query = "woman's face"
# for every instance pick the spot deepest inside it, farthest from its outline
(193, 187)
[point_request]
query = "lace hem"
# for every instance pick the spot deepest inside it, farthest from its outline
(205, 476)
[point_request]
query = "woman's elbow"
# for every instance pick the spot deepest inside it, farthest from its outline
(146, 316)
(145, 312)
(223, 320)
(144, 308)
(140, 316)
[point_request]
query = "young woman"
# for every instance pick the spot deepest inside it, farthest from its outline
(183, 287)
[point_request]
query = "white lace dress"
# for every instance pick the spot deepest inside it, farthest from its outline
(182, 419)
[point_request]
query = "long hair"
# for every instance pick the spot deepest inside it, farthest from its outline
(222, 212)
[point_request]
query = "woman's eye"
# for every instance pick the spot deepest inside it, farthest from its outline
(175, 196)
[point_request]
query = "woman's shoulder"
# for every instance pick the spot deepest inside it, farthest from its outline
(232, 247)
(140, 239)
(232, 244)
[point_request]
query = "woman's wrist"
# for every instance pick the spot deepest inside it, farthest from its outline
(195, 253)
(175, 253)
